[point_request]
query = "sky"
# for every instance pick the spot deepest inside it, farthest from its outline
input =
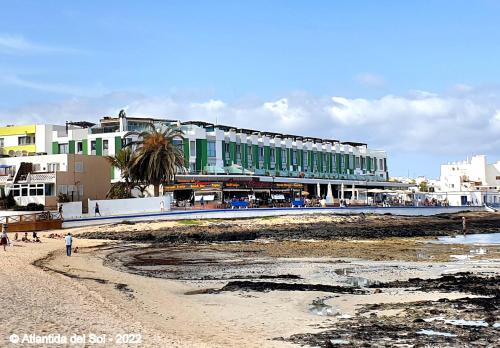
(419, 79)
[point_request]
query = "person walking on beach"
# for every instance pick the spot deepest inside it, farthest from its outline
(61, 210)
(464, 225)
(162, 206)
(4, 239)
(69, 241)
(96, 209)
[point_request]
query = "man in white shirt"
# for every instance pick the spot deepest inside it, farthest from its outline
(69, 240)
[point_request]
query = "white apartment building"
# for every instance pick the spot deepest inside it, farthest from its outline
(473, 181)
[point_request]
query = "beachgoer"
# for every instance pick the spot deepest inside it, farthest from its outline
(69, 241)
(202, 202)
(25, 238)
(464, 225)
(16, 236)
(96, 209)
(4, 239)
(162, 206)
(61, 210)
(34, 235)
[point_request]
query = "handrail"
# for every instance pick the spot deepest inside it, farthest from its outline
(32, 217)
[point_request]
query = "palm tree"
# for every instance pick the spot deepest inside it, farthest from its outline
(156, 159)
(121, 160)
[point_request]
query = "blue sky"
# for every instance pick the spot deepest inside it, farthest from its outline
(419, 79)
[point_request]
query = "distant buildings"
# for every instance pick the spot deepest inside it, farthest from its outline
(473, 181)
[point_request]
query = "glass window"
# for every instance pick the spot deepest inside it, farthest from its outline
(211, 149)
(79, 147)
(192, 148)
(26, 140)
(1, 142)
(63, 148)
(249, 153)
(105, 145)
(238, 152)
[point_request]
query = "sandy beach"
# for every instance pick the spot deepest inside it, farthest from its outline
(233, 294)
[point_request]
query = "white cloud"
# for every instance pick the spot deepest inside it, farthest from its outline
(15, 44)
(370, 80)
(423, 123)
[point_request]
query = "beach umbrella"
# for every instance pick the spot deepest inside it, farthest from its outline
(318, 190)
(329, 194)
(342, 191)
(353, 190)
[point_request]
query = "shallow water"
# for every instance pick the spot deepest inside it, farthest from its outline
(484, 239)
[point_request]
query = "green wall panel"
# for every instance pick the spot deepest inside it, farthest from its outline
(71, 146)
(55, 148)
(201, 154)
(98, 146)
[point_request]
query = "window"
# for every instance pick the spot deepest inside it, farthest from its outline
(192, 148)
(294, 157)
(381, 164)
(226, 151)
(63, 148)
(238, 152)
(93, 147)
(79, 147)
(52, 167)
(26, 140)
(105, 147)
(78, 167)
(1, 142)
(357, 162)
(261, 153)
(36, 167)
(211, 149)
(49, 189)
(306, 160)
(249, 153)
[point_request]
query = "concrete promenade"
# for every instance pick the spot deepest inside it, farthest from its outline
(259, 212)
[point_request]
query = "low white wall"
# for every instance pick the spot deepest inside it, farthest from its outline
(111, 207)
(71, 210)
(245, 213)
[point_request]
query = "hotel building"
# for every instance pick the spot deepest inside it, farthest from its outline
(221, 156)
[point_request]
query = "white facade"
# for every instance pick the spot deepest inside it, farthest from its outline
(472, 181)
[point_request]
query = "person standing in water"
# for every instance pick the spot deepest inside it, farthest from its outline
(464, 225)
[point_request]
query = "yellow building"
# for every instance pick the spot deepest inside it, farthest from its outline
(24, 140)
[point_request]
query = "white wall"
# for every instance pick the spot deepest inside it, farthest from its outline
(71, 210)
(129, 206)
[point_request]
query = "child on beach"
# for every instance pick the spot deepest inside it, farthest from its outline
(69, 241)
(4, 239)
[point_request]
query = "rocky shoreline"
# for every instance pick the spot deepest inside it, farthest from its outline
(349, 226)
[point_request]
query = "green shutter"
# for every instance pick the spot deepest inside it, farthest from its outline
(232, 152)
(267, 157)
(71, 146)
(98, 146)
(277, 151)
(201, 154)
(118, 144)
(346, 165)
(185, 144)
(55, 148)
(368, 163)
(85, 146)
(244, 155)
(255, 149)
(337, 157)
